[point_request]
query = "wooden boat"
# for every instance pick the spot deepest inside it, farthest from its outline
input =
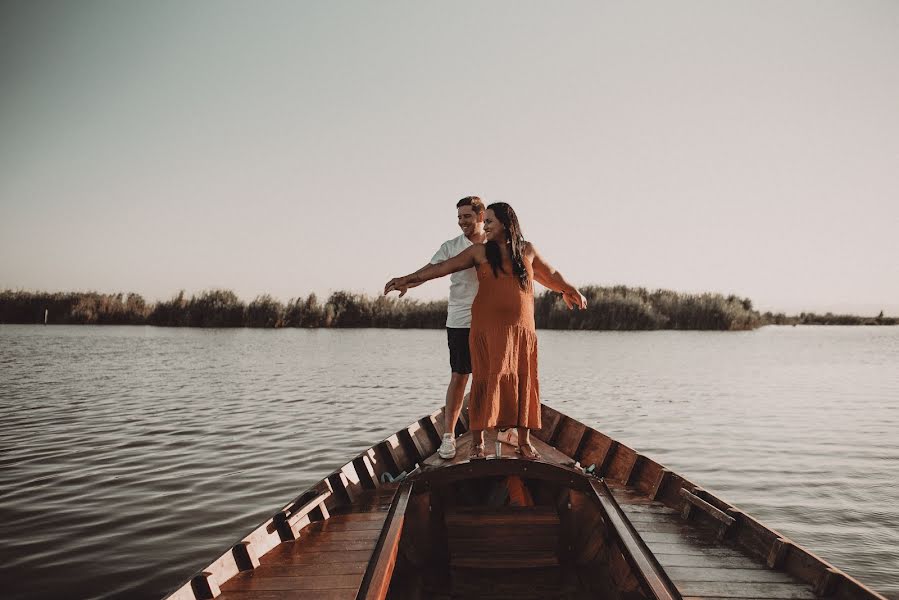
(592, 518)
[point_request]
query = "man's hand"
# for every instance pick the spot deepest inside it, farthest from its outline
(399, 284)
(574, 299)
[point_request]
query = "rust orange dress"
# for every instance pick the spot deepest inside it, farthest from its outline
(505, 391)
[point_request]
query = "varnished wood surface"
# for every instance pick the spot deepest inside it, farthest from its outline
(327, 561)
(698, 564)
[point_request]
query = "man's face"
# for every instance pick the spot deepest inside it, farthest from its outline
(470, 222)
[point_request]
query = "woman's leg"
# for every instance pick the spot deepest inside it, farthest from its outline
(524, 443)
(477, 444)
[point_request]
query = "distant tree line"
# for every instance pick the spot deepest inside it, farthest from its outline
(608, 308)
(827, 319)
(220, 308)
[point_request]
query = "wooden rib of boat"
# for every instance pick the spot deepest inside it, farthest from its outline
(399, 522)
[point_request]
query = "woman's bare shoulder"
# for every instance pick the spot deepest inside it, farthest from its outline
(479, 251)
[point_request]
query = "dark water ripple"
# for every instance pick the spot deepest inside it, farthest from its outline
(130, 457)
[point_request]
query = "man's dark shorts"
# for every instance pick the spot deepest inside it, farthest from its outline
(460, 356)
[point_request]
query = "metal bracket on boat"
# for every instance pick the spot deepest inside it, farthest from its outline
(388, 478)
(576, 465)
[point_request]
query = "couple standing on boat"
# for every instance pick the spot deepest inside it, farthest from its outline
(490, 322)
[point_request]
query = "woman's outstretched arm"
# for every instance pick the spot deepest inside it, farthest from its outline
(466, 259)
(412, 285)
(548, 276)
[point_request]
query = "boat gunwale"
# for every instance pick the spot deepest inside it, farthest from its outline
(611, 460)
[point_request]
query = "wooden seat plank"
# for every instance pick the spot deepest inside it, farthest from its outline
(326, 540)
(252, 581)
(505, 542)
(720, 598)
(684, 548)
(721, 562)
(714, 573)
(692, 536)
(341, 534)
(346, 525)
(509, 560)
(366, 508)
(350, 517)
(302, 570)
(504, 516)
(312, 545)
(722, 589)
(342, 594)
(521, 584)
(672, 526)
(653, 508)
(651, 516)
(311, 558)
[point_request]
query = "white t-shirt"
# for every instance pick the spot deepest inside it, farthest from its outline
(463, 284)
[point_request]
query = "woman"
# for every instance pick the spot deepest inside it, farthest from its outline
(503, 340)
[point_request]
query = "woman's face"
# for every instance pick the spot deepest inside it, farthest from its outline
(493, 229)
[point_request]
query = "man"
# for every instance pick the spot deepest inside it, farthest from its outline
(463, 288)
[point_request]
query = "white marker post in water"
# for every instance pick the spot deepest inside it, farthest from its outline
(46, 314)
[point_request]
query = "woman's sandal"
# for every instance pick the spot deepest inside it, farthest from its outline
(477, 451)
(527, 452)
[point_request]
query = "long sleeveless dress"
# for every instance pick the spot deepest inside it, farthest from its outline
(505, 391)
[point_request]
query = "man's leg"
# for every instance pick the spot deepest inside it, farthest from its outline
(455, 394)
(460, 367)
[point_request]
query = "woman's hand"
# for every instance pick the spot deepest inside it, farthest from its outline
(574, 299)
(399, 284)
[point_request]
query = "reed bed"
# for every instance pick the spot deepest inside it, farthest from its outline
(618, 308)
(630, 309)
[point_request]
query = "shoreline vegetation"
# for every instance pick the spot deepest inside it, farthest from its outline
(617, 308)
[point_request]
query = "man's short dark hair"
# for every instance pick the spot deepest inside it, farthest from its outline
(476, 204)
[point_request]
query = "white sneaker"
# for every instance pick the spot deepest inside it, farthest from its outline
(447, 448)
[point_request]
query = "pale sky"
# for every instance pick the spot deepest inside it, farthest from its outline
(289, 148)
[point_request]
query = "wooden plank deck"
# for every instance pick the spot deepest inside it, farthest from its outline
(698, 563)
(327, 561)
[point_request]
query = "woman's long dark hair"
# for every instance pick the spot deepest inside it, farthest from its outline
(515, 240)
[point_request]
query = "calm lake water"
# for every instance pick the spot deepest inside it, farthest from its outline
(132, 456)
